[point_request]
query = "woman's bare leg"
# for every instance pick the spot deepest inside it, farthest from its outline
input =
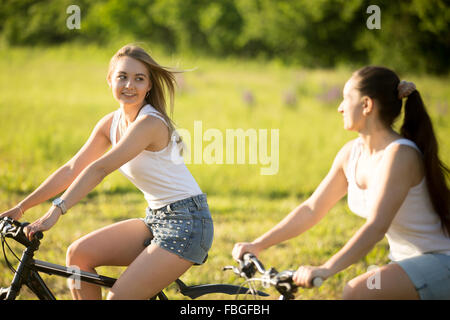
(152, 271)
(115, 245)
(389, 282)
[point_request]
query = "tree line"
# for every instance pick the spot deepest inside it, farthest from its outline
(413, 35)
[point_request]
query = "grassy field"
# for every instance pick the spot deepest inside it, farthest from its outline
(51, 98)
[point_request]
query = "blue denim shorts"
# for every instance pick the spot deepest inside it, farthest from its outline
(184, 227)
(430, 274)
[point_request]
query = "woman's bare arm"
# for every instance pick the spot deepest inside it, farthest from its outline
(139, 135)
(97, 144)
(307, 214)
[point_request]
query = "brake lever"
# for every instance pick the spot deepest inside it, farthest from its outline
(7, 226)
(232, 268)
(15, 230)
(285, 276)
(3, 222)
(235, 270)
(247, 268)
(285, 284)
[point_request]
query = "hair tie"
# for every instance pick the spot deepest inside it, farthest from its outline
(405, 88)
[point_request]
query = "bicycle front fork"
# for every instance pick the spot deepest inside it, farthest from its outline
(23, 275)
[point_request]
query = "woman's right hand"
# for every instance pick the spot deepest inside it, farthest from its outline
(243, 247)
(14, 213)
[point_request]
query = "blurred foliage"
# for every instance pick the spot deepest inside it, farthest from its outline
(414, 34)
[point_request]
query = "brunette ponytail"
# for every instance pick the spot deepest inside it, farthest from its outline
(417, 127)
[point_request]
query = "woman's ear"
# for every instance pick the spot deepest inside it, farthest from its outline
(367, 104)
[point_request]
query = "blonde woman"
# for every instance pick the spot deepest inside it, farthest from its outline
(143, 145)
(393, 180)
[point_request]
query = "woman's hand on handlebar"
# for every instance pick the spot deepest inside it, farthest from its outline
(305, 275)
(13, 213)
(242, 247)
(44, 223)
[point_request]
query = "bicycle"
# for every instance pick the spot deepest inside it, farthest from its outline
(282, 281)
(27, 272)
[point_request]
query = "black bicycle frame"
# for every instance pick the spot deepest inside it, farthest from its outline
(27, 274)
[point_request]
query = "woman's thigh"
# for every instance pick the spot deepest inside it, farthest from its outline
(430, 274)
(389, 282)
(153, 270)
(114, 245)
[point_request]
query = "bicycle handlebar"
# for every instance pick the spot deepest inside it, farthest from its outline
(250, 258)
(14, 229)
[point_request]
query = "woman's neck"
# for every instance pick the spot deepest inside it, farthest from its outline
(377, 138)
(130, 112)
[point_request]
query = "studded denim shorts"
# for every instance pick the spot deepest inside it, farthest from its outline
(430, 274)
(184, 227)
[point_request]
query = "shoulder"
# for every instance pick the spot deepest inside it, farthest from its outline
(150, 112)
(344, 154)
(405, 154)
(107, 119)
(104, 124)
(151, 122)
(152, 127)
(346, 150)
(404, 161)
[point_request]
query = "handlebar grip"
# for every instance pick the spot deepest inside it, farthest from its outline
(248, 256)
(251, 258)
(38, 235)
(317, 282)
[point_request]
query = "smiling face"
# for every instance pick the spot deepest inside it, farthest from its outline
(129, 81)
(351, 107)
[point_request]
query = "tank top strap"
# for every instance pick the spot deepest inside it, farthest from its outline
(113, 129)
(406, 142)
(151, 111)
(174, 138)
(177, 145)
(146, 110)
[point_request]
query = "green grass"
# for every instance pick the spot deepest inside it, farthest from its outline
(52, 98)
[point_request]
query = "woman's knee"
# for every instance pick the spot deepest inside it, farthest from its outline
(77, 255)
(352, 290)
(347, 293)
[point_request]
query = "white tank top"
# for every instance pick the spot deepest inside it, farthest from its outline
(416, 227)
(161, 175)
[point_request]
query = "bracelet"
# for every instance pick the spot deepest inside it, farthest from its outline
(21, 209)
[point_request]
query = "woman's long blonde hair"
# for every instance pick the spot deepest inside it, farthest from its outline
(162, 79)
